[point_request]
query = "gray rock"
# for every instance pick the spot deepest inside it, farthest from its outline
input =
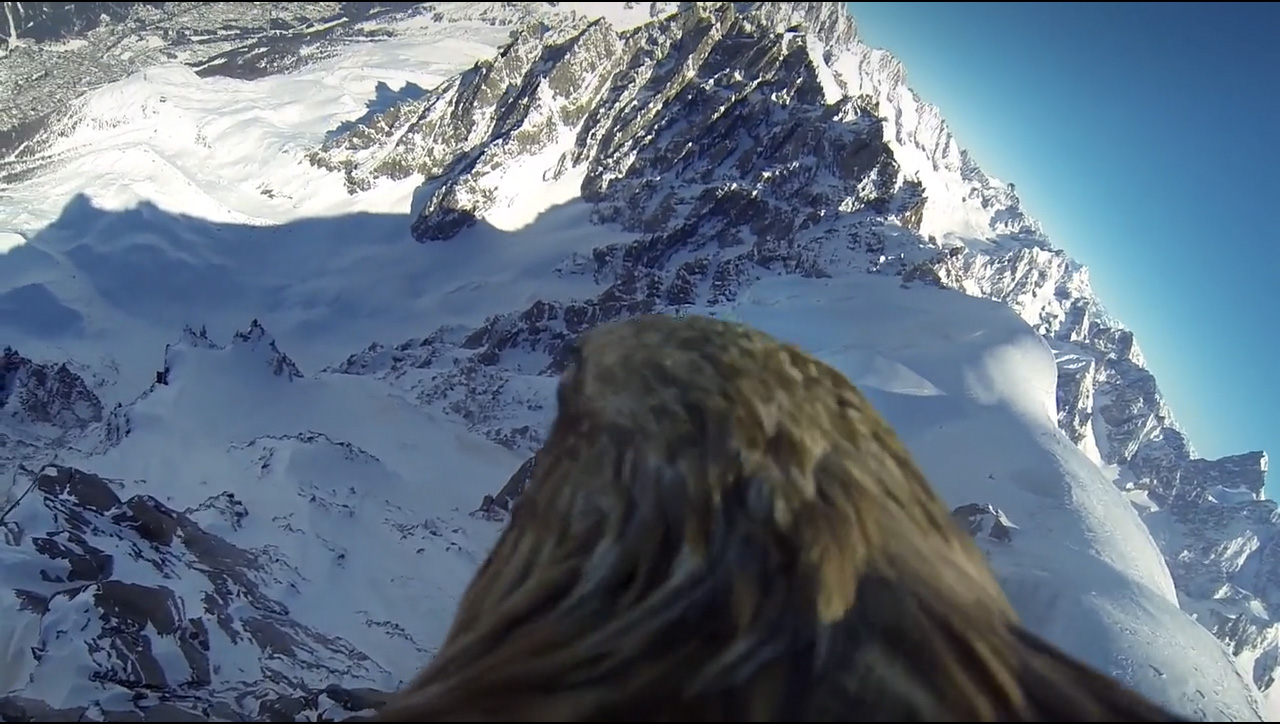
(707, 137)
(77, 528)
(984, 520)
(46, 394)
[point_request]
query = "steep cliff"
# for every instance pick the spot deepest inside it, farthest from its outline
(749, 160)
(735, 141)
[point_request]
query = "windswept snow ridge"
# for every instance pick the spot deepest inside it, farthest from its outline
(201, 523)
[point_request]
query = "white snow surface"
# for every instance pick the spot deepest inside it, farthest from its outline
(185, 200)
(360, 497)
(970, 388)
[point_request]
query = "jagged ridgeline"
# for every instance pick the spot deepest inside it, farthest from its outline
(718, 139)
(79, 520)
(707, 106)
(708, 155)
(164, 604)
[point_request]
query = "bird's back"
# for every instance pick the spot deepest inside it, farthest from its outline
(721, 528)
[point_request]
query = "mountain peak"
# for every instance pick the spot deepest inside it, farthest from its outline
(746, 160)
(1241, 472)
(732, 144)
(254, 343)
(589, 111)
(258, 341)
(197, 338)
(46, 393)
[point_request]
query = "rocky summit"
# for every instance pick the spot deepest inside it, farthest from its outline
(735, 141)
(704, 150)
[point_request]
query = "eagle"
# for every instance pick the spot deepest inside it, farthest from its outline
(720, 527)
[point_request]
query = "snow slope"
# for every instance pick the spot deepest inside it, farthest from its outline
(970, 388)
(204, 212)
(325, 270)
(344, 497)
(349, 507)
(352, 498)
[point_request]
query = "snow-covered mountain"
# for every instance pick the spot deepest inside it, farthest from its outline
(200, 522)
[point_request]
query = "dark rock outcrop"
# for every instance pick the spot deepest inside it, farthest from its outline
(161, 609)
(986, 521)
(46, 394)
(714, 140)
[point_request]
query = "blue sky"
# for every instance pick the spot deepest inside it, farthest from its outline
(1146, 139)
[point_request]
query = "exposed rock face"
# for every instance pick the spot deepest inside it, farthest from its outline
(45, 394)
(182, 626)
(1246, 471)
(1215, 527)
(984, 520)
(726, 142)
(734, 141)
(499, 504)
(711, 135)
(43, 406)
(701, 108)
(256, 340)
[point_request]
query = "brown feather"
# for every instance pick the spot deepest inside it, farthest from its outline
(721, 528)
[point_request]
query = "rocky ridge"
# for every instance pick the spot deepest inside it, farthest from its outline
(43, 405)
(731, 141)
(44, 394)
(738, 140)
(153, 613)
(157, 588)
